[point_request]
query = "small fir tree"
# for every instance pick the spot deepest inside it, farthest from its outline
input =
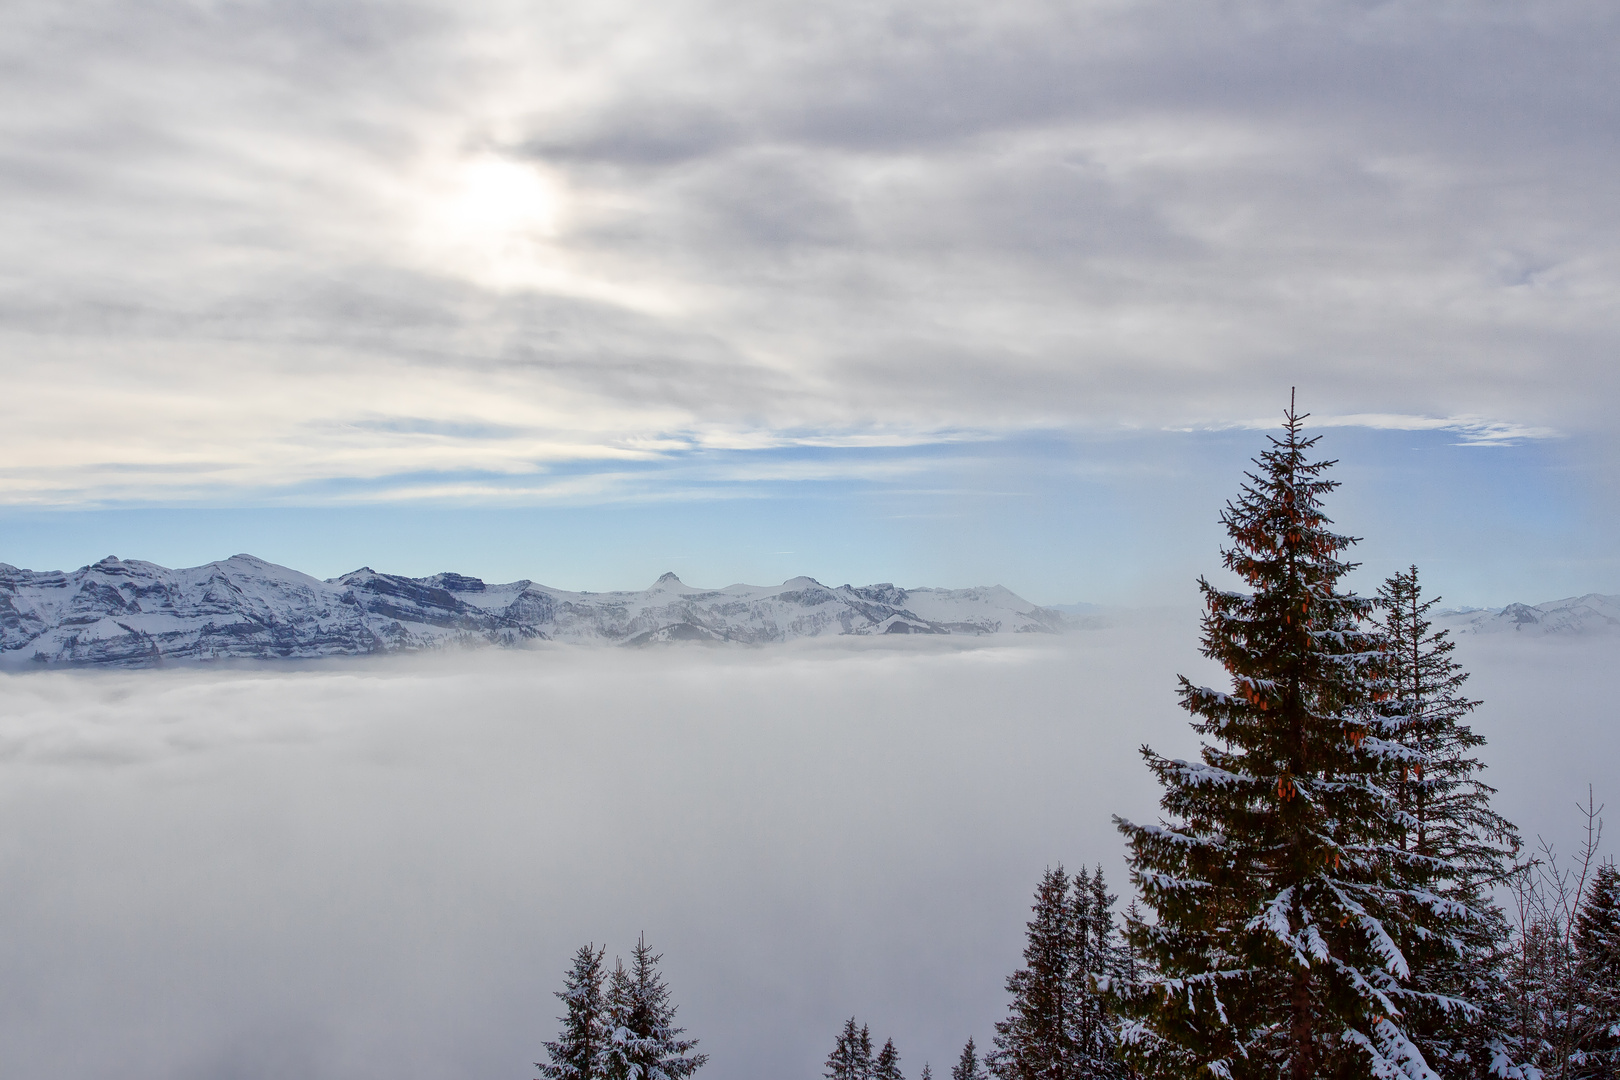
(1100, 961)
(1036, 1040)
(579, 1050)
(968, 1066)
(1059, 1025)
(887, 1066)
(643, 1041)
(927, 1073)
(1283, 902)
(851, 1057)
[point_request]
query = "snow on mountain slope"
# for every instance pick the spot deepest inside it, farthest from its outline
(131, 613)
(1593, 613)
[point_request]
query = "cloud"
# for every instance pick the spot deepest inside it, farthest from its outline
(379, 869)
(240, 233)
(1471, 430)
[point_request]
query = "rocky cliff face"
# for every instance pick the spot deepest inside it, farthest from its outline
(132, 613)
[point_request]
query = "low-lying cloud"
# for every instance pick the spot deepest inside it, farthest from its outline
(378, 869)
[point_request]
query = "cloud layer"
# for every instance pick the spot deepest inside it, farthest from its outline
(485, 250)
(379, 870)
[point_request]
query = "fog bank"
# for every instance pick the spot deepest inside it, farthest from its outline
(379, 869)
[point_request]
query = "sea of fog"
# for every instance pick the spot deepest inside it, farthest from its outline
(378, 869)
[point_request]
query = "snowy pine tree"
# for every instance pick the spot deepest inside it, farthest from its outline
(851, 1057)
(1036, 1040)
(1458, 846)
(579, 1051)
(887, 1066)
(1283, 901)
(643, 1042)
(1060, 1025)
(1099, 961)
(968, 1066)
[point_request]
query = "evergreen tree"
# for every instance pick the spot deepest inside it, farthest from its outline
(1283, 900)
(1099, 961)
(579, 1052)
(968, 1066)
(1036, 1040)
(927, 1073)
(887, 1066)
(1597, 951)
(1456, 844)
(1059, 1024)
(643, 1041)
(851, 1057)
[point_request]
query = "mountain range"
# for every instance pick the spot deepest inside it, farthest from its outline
(132, 613)
(1593, 613)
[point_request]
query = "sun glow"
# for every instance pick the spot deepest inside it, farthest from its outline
(491, 220)
(502, 224)
(500, 200)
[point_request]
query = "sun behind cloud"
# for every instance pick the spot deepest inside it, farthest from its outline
(497, 201)
(502, 224)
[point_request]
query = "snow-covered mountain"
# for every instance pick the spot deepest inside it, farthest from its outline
(1593, 613)
(132, 613)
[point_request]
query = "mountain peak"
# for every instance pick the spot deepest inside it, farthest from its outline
(669, 578)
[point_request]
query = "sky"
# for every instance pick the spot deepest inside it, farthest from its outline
(939, 293)
(380, 869)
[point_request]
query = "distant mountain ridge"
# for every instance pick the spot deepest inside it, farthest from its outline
(133, 613)
(1593, 613)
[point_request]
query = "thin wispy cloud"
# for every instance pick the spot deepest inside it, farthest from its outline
(1470, 430)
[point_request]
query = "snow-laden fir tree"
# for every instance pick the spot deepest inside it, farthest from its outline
(1597, 950)
(968, 1066)
(643, 1042)
(1453, 842)
(851, 1057)
(927, 1073)
(1283, 902)
(887, 1066)
(1036, 1040)
(579, 1050)
(1100, 960)
(1058, 1026)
